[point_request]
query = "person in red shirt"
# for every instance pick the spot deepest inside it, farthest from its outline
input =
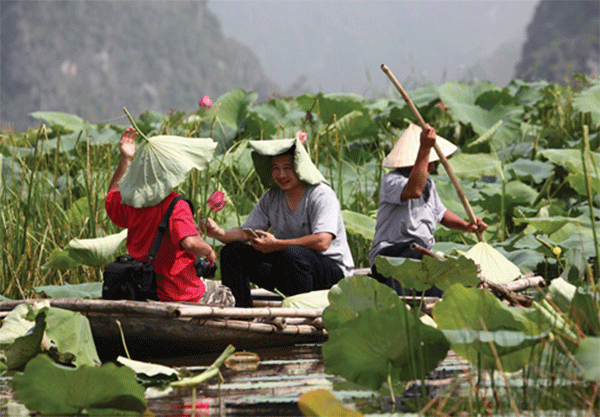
(175, 260)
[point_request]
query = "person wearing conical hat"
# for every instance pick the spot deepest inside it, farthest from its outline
(138, 204)
(409, 205)
(307, 249)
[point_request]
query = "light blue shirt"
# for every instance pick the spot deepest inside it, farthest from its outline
(404, 220)
(318, 211)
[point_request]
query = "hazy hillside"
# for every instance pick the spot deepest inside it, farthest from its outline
(562, 39)
(92, 57)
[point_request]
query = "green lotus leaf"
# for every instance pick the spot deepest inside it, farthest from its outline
(24, 347)
(52, 389)
(353, 294)
(313, 300)
(547, 225)
(92, 252)
(527, 170)
(483, 106)
(87, 290)
(584, 310)
(495, 267)
(587, 357)
(70, 331)
(589, 101)
(473, 320)
(68, 121)
(475, 166)
(226, 116)
(150, 373)
(382, 343)
(161, 164)
(359, 224)
(422, 275)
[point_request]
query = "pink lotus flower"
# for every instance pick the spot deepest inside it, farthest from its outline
(442, 106)
(301, 135)
(216, 201)
(205, 103)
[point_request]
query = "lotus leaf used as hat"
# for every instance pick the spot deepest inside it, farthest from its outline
(264, 150)
(406, 149)
(161, 164)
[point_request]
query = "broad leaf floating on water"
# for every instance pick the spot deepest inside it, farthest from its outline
(161, 164)
(377, 339)
(91, 252)
(52, 389)
(24, 347)
(422, 275)
(494, 266)
(472, 319)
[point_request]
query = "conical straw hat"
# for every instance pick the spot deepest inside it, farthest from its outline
(405, 151)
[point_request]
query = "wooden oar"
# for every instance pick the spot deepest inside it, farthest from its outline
(443, 160)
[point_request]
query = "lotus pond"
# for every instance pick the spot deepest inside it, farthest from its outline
(528, 162)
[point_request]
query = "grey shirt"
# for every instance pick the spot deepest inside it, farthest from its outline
(404, 220)
(319, 211)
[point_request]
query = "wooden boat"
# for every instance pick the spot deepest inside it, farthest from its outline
(160, 329)
(155, 329)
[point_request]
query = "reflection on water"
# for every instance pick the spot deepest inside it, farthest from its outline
(271, 389)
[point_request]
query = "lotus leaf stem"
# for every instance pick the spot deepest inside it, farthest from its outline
(586, 155)
(135, 126)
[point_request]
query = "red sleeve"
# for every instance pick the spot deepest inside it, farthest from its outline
(114, 209)
(182, 223)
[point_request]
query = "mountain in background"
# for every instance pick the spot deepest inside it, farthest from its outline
(562, 39)
(92, 58)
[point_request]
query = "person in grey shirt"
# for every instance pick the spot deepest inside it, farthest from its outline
(409, 205)
(306, 249)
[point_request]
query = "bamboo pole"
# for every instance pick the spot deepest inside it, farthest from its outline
(443, 160)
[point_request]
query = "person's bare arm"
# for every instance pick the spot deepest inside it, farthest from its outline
(198, 247)
(213, 230)
(127, 149)
(452, 221)
(269, 243)
(418, 176)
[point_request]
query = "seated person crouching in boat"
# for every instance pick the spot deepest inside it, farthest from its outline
(409, 205)
(175, 260)
(307, 250)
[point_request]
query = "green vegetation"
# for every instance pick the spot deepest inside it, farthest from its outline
(528, 162)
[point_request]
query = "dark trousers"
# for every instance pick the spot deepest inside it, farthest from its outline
(402, 250)
(293, 270)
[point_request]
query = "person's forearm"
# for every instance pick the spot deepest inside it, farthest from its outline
(230, 235)
(319, 242)
(452, 221)
(119, 172)
(418, 176)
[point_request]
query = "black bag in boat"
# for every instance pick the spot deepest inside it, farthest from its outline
(128, 279)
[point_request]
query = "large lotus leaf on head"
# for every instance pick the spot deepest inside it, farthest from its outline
(422, 275)
(473, 319)
(161, 164)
